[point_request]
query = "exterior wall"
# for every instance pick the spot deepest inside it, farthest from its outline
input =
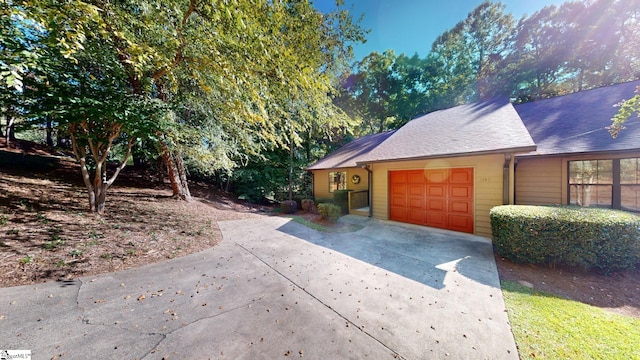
(543, 180)
(321, 181)
(539, 181)
(488, 183)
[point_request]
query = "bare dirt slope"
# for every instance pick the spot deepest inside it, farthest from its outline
(47, 234)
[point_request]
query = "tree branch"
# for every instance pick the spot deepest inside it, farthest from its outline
(179, 56)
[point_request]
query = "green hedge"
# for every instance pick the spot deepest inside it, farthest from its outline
(586, 237)
(330, 212)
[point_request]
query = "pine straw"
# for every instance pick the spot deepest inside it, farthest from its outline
(47, 234)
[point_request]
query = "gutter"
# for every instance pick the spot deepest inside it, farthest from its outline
(524, 149)
(370, 185)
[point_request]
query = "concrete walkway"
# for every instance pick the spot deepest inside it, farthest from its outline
(276, 289)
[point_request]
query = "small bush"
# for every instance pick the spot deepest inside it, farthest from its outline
(330, 212)
(307, 204)
(586, 237)
(341, 198)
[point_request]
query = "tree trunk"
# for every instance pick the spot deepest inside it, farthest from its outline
(176, 173)
(49, 133)
(97, 190)
(291, 170)
(183, 177)
(9, 135)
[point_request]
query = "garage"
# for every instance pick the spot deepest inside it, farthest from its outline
(441, 198)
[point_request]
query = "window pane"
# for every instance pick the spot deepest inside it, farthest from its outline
(337, 181)
(602, 196)
(605, 171)
(630, 197)
(590, 195)
(575, 175)
(629, 171)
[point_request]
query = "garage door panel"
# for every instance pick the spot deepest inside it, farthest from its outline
(436, 190)
(461, 176)
(441, 198)
(461, 223)
(398, 214)
(436, 205)
(460, 207)
(416, 177)
(398, 201)
(416, 216)
(416, 203)
(416, 190)
(437, 219)
(437, 176)
(458, 191)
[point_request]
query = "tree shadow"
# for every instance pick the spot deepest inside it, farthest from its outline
(422, 254)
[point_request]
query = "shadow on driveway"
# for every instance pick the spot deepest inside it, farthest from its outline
(419, 253)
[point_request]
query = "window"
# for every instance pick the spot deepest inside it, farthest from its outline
(612, 183)
(337, 181)
(591, 183)
(630, 184)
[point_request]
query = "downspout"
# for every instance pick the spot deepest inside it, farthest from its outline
(505, 179)
(313, 185)
(370, 188)
(515, 177)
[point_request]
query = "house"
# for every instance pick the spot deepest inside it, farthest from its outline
(448, 168)
(577, 161)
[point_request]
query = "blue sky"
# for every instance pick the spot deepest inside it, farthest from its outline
(411, 26)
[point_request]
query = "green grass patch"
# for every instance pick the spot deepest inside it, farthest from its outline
(549, 327)
(336, 228)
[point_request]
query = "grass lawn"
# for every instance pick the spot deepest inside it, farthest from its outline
(549, 327)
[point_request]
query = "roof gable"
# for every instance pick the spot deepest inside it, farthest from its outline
(576, 123)
(350, 154)
(462, 130)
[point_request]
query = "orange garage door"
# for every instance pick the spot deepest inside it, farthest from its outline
(441, 198)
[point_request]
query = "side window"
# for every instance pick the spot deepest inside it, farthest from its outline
(591, 183)
(337, 181)
(630, 184)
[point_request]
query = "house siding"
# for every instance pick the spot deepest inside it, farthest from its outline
(543, 180)
(488, 182)
(539, 181)
(321, 182)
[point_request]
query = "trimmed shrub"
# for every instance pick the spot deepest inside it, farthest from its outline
(289, 206)
(330, 212)
(307, 204)
(589, 238)
(341, 198)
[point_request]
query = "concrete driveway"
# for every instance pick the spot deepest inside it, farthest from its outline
(276, 289)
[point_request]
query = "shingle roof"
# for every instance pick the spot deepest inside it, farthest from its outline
(576, 123)
(462, 130)
(349, 154)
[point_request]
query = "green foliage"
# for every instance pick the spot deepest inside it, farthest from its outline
(590, 238)
(330, 212)
(548, 327)
(341, 199)
(26, 260)
(217, 83)
(557, 50)
(627, 109)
